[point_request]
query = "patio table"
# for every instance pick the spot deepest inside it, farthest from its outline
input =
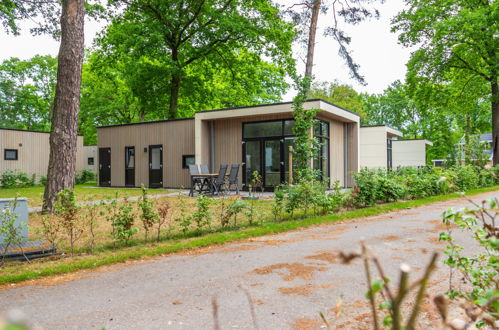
(208, 177)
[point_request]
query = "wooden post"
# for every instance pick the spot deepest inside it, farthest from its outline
(290, 165)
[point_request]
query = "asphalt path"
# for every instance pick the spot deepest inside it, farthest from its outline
(274, 282)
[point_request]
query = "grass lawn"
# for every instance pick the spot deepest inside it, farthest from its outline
(84, 192)
(106, 252)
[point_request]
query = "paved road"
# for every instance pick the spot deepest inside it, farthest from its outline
(284, 279)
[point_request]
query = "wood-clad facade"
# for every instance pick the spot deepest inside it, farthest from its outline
(175, 137)
(32, 152)
(216, 137)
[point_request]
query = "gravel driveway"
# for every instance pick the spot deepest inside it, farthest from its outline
(285, 280)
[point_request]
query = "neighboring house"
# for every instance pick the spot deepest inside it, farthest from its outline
(90, 161)
(410, 152)
(376, 146)
(478, 142)
(380, 147)
(28, 151)
(157, 154)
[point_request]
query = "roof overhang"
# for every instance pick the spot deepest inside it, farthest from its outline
(390, 132)
(426, 142)
(325, 109)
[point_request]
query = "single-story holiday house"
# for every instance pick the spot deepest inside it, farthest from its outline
(481, 150)
(381, 147)
(410, 152)
(28, 151)
(157, 153)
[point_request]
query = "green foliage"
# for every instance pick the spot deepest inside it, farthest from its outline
(179, 55)
(27, 89)
(149, 216)
(342, 95)
(455, 66)
(278, 205)
(480, 270)
(379, 185)
(10, 231)
(232, 211)
(67, 211)
(16, 179)
(85, 176)
(184, 219)
(122, 219)
(202, 215)
(305, 145)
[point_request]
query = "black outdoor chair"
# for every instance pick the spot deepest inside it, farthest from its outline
(204, 169)
(219, 182)
(233, 178)
(196, 181)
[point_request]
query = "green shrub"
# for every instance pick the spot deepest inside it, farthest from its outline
(43, 180)
(366, 190)
(479, 270)
(85, 176)
(377, 185)
(16, 179)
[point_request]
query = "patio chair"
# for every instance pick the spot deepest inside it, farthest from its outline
(204, 169)
(219, 182)
(233, 178)
(196, 181)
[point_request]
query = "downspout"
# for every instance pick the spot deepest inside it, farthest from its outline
(212, 146)
(345, 154)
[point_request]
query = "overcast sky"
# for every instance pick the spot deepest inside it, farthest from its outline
(375, 48)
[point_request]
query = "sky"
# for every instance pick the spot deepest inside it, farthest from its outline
(382, 60)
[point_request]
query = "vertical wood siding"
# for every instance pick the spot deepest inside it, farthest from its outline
(33, 150)
(177, 138)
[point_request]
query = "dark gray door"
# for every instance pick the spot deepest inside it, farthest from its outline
(105, 167)
(130, 166)
(156, 166)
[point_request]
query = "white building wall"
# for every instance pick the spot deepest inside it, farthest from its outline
(409, 153)
(90, 152)
(33, 150)
(373, 147)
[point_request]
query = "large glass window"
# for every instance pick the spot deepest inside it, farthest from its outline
(389, 153)
(288, 127)
(262, 129)
(321, 160)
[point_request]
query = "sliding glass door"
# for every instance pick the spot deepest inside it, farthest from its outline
(266, 150)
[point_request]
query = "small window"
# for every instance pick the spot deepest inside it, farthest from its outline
(90, 161)
(10, 154)
(188, 160)
(129, 157)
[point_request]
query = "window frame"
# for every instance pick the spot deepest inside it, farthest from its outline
(92, 159)
(184, 160)
(127, 148)
(5, 151)
(324, 142)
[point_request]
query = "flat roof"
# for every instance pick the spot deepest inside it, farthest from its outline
(427, 142)
(228, 109)
(390, 130)
(26, 130)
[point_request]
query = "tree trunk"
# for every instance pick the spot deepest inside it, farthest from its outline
(495, 121)
(467, 134)
(311, 38)
(63, 135)
(174, 91)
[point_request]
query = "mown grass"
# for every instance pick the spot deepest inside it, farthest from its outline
(83, 192)
(110, 256)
